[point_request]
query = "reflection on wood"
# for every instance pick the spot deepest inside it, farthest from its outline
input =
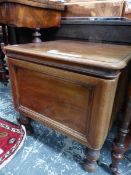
(31, 14)
(94, 8)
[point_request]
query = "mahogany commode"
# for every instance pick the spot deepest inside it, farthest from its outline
(69, 86)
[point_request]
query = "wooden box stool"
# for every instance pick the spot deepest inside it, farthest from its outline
(69, 86)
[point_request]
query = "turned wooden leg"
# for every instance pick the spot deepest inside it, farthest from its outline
(117, 156)
(3, 67)
(92, 158)
(119, 148)
(37, 36)
(26, 122)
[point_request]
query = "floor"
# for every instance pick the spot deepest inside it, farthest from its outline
(47, 152)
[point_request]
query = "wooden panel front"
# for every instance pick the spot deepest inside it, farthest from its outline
(58, 98)
(78, 105)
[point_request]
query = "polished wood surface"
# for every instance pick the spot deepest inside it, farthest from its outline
(31, 14)
(94, 8)
(91, 54)
(57, 84)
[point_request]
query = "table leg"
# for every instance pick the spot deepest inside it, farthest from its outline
(119, 148)
(26, 122)
(92, 158)
(37, 36)
(3, 67)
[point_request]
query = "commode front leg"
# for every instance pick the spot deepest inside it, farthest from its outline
(26, 122)
(92, 158)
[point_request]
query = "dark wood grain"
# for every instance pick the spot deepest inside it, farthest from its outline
(22, 15)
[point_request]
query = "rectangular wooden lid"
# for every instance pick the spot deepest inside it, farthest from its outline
(108, 56)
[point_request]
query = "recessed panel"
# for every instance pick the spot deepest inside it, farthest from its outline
(56, 97)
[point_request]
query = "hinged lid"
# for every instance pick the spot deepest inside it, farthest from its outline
(107, 56)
